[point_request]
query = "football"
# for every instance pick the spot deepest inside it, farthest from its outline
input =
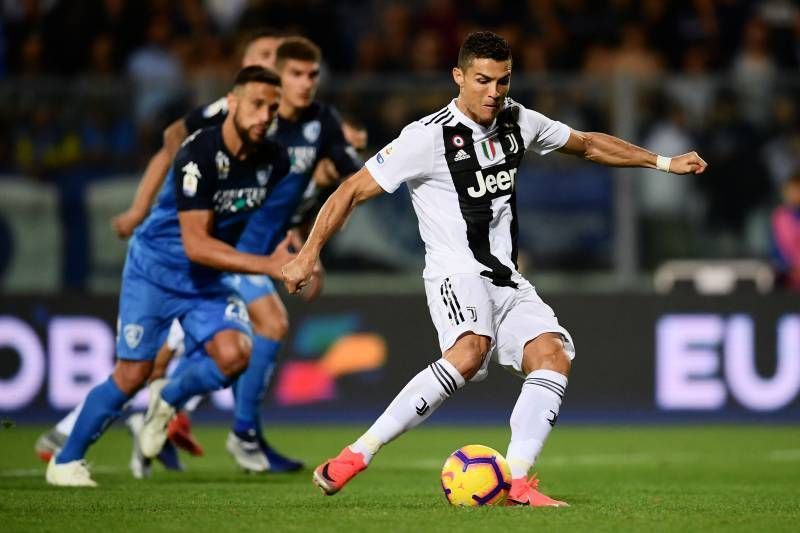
(476, 475)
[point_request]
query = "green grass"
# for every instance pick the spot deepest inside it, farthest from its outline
(718, 478)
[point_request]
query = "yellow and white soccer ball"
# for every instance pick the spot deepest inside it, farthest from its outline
(476, 475)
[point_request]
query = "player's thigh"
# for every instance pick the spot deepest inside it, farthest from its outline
(525, 323)
(145, 314)
(268, 315)
(463, 315)
(216, 312)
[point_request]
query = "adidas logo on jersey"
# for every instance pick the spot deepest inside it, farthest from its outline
(461, 155)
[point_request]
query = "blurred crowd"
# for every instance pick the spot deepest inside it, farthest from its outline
(86, 86)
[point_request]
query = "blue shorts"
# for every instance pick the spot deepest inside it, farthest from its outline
(147, 306)
(250, 287)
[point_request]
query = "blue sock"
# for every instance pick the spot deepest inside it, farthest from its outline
(200, 376)
(103, 404)
(249, 389)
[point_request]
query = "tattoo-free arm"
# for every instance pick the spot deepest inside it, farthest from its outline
(359, 188)
(614, 152)
(202, 248)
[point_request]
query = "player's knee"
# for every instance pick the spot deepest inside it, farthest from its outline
(468, 354)
(548, 354)
(274, 327)
(130, 376)
(232, 357)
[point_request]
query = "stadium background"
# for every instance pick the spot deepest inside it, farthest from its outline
(86, 88)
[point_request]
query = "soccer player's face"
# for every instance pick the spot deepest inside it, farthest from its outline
(300, 80)
(255, 106)
(484, 84)
(261, 53)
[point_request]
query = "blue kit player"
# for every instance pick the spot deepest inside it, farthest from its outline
(311, 132)
(219, 178)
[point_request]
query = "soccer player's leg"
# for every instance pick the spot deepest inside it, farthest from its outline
(219, 323)
(466, 341)
(143, 309)
(270, 323)
(531, 343)
(51, 441)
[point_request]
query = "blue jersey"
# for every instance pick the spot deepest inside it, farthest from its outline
(206, 176)
(315, 135)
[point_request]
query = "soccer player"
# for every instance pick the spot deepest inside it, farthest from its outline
(460, 165)
(311, 131)
(174, 267)
(257, 49)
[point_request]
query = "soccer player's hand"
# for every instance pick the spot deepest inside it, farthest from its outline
(690, 163)
(279, 257)
(126, 222)
(314, 288)
(297, 273)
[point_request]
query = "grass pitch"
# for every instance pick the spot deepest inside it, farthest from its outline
(719, 478)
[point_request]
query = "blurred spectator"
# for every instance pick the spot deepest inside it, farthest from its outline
(786, 235)
(782, 151)
(736, 182)
(633, 57)
(155, 71)
(754, 71)
(694, 87)
(226, 13)
(662, 194)
(426, 53)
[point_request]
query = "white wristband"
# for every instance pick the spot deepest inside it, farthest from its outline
(662, 163)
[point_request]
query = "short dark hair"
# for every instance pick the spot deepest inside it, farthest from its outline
(256, 74)
(298, 48)
(483, 45)
(247, 38)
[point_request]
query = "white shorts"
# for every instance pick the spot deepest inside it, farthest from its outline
(510, 317)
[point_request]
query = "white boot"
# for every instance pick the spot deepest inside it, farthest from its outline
(71, 474)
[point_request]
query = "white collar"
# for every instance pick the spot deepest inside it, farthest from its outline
(468, 121)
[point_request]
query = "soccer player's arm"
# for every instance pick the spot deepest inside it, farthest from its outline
(157, 168)
(355, 190)
(615, 152)
(126, 222)
(194, 192)
(408, 157)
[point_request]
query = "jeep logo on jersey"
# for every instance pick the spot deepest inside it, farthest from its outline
(493, 183)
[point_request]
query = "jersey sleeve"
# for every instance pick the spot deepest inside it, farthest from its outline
(408, 157)
(195, 177)
(207, 115)
(541, 134)
(344, 157)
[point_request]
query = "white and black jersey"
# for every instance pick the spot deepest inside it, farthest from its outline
(462, 179)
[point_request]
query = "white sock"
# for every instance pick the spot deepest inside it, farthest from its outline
(66, 424)
(415, 403)
(192, 403)
(533, 417)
